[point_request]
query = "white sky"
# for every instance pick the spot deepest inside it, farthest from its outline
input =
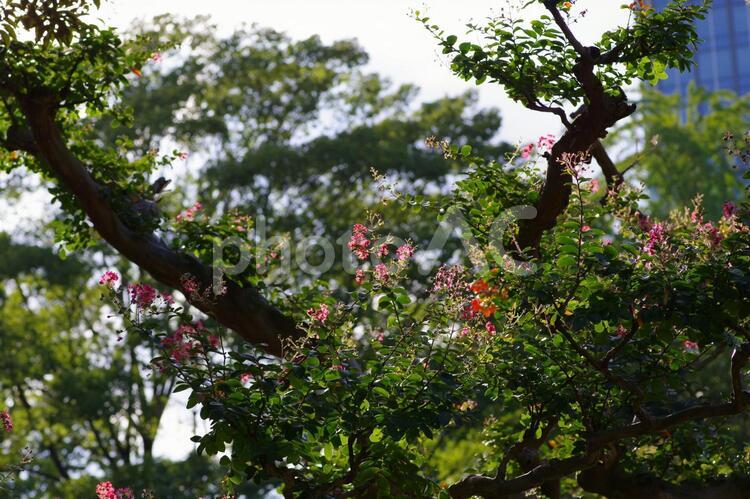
(399, 46)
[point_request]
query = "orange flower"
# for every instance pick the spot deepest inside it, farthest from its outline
(480, 286)
(136, 72)
(482, 307)
(568, 5)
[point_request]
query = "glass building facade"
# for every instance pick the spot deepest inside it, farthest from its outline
(723, 58)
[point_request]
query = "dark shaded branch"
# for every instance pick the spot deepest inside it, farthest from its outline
(551, 6)
(477, 485)
(558, 111)
(740, 400)
(612, 176)
(616, 483)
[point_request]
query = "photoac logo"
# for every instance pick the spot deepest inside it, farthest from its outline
(277, 258)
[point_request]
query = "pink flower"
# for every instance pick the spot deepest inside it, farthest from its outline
(124, 493)
(213, 340)
(656, 236)
(713, 233)
(695, 216)
(182, 352)
(359, 277)
(109, 279)
(585, 228)
(337, 367)
(621, 332)
(691, 346)
(105, 490)
(449, 279)
(183, 155)
(546, 142)
(181, 345)
(729, 209)
(465, 331)
(490, 327)
(142, 295)
(156, 57)
(380, 337)
(319, 315)
(189, 214)
(190, 285)
(383, 250)
(7, 421)
(404, 252)
(594, 187)
(168, 299)
(359, 243)
(527, 150)
(245, 378)
(381, 272)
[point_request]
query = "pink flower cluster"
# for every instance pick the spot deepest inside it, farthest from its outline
(190, 285)
(321, 314)
(142, 295)
(7, 421)
(728, 210)
(546, 142)
(656, 236)
(404, 252)
(110, 279)
(543, 143)
(187, 340)
(359, 277)
(712, 232)
(189, 214)
(381, 272)
(708, 229)
(359, 243)
(156, 57)
(449, 279)
(105, 490)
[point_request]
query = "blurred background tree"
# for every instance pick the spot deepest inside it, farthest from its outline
(85, 401)
(680, 147)
(295, 128)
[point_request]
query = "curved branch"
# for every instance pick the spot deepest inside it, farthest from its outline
(241, 309)
(617, 483)
(551, 6)
(477, 485)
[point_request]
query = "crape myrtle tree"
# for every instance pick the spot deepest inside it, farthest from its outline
(592, 335)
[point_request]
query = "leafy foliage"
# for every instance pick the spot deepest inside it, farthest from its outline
(576, 354)
(683, 144)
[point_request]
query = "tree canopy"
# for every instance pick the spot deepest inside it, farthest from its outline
(583, 358)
